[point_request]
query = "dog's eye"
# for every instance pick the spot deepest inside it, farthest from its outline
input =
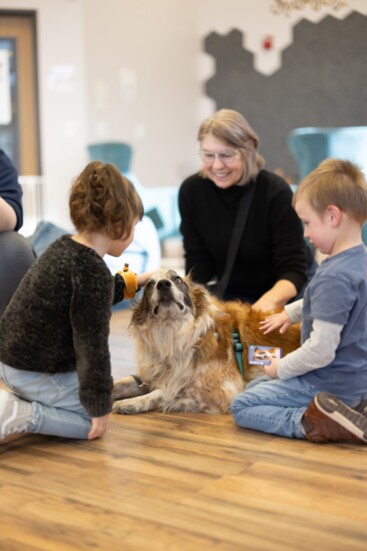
(177, 279)
(149, 285)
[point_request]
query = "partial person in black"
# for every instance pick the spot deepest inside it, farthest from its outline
(16, 253)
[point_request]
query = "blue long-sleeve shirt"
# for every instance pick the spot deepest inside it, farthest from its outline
(10, 189)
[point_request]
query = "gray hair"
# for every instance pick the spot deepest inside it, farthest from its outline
(231, 127)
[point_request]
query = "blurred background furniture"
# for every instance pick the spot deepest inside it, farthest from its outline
(309, 146)
(160, 239)
(116, 153)
(160, 202)
(144, 253)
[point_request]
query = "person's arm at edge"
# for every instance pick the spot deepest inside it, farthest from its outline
(8, 217)
(10, 195)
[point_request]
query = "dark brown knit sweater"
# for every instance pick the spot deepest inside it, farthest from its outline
(58, 320)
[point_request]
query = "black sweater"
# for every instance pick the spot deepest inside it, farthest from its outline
(272, 246)
(58, 320)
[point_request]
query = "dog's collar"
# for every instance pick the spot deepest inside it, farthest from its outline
(238, 348)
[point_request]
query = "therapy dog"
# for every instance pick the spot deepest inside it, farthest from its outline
(185, 349)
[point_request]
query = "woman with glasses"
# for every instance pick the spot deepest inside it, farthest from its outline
(272, 261)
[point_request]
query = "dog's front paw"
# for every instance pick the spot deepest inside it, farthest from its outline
(129, 387)
(139, 404)
(123, 407)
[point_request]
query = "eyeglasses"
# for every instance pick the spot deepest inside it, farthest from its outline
(227, 157)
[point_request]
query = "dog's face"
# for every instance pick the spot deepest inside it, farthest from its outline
(166, 295)
(260, 354)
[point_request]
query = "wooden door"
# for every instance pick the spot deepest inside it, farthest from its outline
(19, 120)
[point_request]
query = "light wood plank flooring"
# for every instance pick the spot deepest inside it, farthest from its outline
(179, 482)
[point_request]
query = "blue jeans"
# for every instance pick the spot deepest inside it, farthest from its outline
(56, 407)
(274, 406)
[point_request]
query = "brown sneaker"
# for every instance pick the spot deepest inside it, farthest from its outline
(328, 419)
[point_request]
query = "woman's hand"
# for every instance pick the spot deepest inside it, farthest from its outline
(276, 321)
(276, 297)
(266, 304)
(99, 427)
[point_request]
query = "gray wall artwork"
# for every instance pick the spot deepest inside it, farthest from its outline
(322, 83)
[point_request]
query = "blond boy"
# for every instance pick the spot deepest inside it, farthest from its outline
(318, 392)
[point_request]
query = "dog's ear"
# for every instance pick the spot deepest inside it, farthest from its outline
(200, 297)
(140, 310)
(188, 279)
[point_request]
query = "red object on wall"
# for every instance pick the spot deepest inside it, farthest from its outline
(267, 43)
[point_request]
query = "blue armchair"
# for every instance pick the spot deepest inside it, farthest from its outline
(310, 146)
(116, 153)
(160, 202)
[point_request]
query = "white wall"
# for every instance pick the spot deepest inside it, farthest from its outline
(137, 75)
(142, 81)
(61, 45)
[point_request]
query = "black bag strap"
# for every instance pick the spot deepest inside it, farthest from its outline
(241, 218)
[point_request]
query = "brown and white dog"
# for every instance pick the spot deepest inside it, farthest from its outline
(185, 349)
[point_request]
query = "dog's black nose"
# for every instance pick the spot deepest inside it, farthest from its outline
(163, 284)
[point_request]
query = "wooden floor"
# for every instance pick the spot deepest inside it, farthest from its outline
(179, 482)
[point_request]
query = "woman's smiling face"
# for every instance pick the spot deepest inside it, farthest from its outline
(225, 172)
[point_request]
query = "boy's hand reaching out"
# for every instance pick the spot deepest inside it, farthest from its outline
(276, 321)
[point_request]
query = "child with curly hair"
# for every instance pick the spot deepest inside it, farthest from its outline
(54, 353)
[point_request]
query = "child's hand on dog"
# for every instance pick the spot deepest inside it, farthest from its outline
(143, 278)
(276, 321)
